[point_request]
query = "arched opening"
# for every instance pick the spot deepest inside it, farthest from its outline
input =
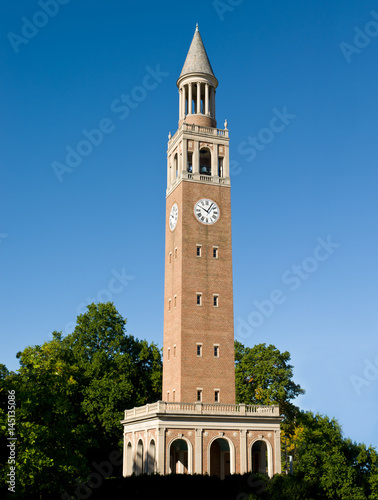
(259, 457)
(178, 457)
(139, 462)
(220, 458)
(129, 459)
(205, 162)
(151, 457)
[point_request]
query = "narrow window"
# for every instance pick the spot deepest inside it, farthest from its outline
(199, 350)
(216, 351)
(169, 304)
(169, 353)
(174, 395)
(174, 351)
(167, 396)
(216, 396)
(170, 257)
(215, 252)
(174, 301)
(199, 250)
(190, 162)
(199, 394)
(216, 300)
(176, 165)
(199, 299)
(176, 253)
(220, 166)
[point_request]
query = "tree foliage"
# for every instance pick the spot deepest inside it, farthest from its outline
(264, 376)
(70, 396)
(71, 393)
(322, 455)
(326, 465)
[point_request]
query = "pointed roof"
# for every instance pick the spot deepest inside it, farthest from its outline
(197, 61)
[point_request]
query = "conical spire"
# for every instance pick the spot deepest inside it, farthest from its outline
(197, 61)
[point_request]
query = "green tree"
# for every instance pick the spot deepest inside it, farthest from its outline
(52, 436)
(343, 469)
(114, 371)
(70, 395)
(264, 376)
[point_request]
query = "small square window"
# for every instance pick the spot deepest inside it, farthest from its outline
(199, 395)
(199, 299)
(199, 250)
(216, 396)
(215, 252)
(216, 351)
(199, 350)
(216, 300)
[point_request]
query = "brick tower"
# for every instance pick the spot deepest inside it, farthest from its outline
(197, 427)
(198, 357)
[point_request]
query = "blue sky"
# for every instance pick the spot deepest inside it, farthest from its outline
(304, 189)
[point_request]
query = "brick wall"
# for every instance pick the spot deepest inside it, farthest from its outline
(187, 324)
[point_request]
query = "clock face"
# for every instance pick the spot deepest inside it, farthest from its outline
(206, 211)
(173, 216)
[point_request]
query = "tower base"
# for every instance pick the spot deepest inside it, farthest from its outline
(199, 438)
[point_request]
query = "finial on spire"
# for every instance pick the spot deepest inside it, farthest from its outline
(197, 27)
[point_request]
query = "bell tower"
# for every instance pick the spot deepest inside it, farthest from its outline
(198, 356)
(197, 428)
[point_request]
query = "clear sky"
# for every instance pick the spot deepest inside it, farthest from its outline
(298, 86)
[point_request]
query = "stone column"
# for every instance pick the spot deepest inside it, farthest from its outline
(160, 451)
(243, 451)
(190, 99)
(198, 452)
(184, 166)
(206, 99)
(180, 162)
(180, 104)
(196, 160)
(124, 465)
(183, 101)
(277, 452)
(214, 161)
(198, 110)
(226, 162)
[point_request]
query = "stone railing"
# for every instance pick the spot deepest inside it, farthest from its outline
(203, 409)
(188, 127)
